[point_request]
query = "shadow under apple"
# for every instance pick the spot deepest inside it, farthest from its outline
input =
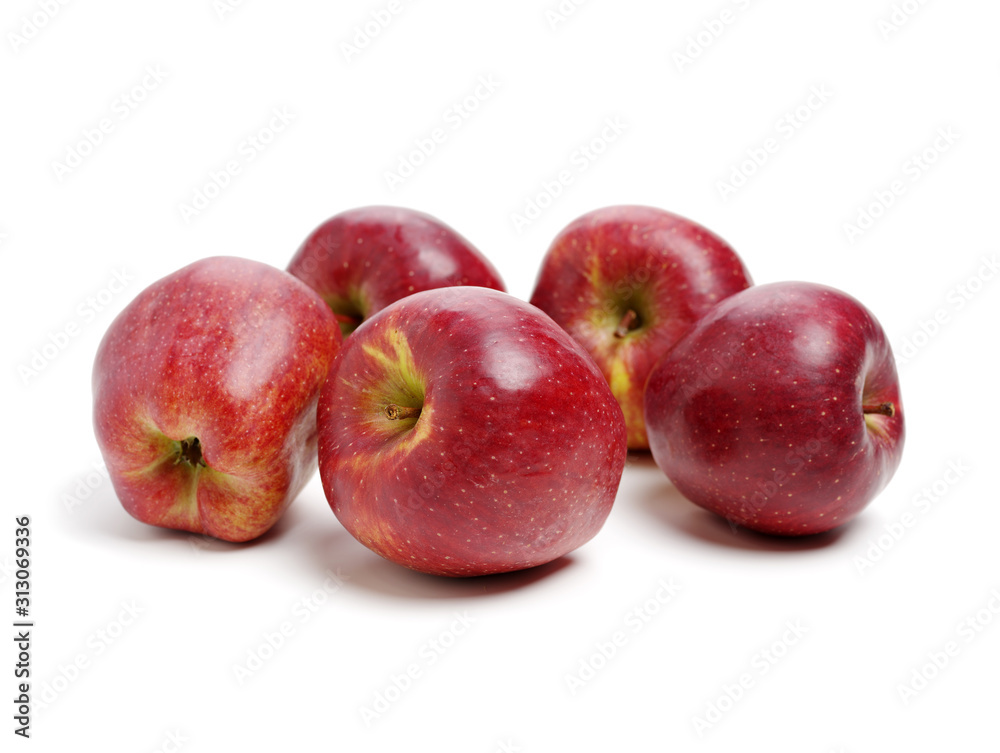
(640, 459)
(336, 548)
(662, 501)
(101, 517)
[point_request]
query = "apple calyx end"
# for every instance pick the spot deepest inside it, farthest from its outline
(629, 322)
(188, 451)
(883, 409)
(398, 412)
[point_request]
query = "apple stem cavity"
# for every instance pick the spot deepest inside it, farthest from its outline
(883, 409)
(627, 323)
(189, 451)
(349, 311)
(347, 322)
(398, 412)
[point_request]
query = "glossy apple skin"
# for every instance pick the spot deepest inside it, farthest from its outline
(231, 352)
(363, 259)
(757, 413)
(668, 269)
(514, 459)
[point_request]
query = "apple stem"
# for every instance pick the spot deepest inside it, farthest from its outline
(628, 319)
(884, 409)
(398, 412)
(347, 323)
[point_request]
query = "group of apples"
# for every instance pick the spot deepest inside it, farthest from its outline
(461, 431)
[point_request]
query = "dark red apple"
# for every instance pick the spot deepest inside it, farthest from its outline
(462, 432)
(205, 393)
(779, 409)
(362, 260)
(626, 282)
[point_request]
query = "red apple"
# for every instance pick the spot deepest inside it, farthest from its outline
(462, 432)
(205, 393)
(362, 260)
(779, 409)
(626, 282)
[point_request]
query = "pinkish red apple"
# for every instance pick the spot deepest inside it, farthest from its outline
(364, 259)
(205, 392)
(626, 282)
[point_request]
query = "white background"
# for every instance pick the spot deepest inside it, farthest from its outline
(167, 679)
